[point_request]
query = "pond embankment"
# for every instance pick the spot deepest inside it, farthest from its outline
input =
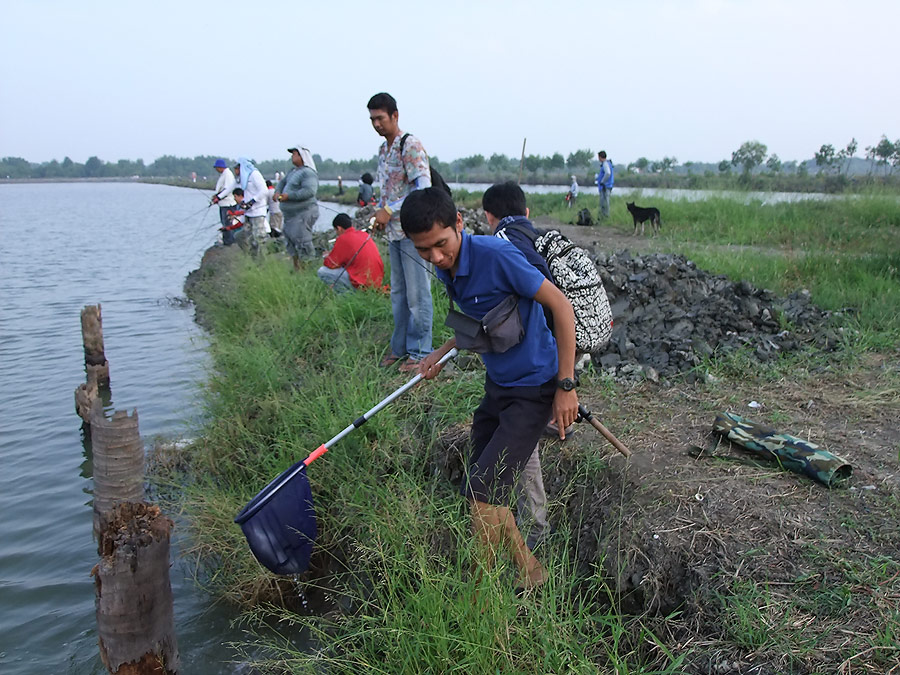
(692, 556)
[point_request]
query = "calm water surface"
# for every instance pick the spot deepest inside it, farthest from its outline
(129, 247)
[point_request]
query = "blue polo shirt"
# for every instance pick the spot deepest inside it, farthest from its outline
(489, 270)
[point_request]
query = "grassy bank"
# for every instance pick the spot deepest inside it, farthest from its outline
(390, 585)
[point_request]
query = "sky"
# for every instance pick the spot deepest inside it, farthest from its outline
(690, 79)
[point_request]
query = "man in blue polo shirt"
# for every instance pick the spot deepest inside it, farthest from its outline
(525, 386)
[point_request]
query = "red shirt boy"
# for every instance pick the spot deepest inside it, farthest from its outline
(355, 251)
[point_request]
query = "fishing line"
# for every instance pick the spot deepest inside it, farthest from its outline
(338, 277)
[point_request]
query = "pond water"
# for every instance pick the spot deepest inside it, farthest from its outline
(128, 246)
(662, 193)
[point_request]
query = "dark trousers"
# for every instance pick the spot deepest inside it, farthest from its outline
(505, 429)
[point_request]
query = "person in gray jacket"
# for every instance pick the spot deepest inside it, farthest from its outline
(297, 194)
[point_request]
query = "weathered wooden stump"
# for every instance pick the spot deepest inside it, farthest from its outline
(118, 462)
(86, 395)
(92, 337)
(135, 618)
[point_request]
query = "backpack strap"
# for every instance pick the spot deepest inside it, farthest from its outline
(530, 233)
(402, 143)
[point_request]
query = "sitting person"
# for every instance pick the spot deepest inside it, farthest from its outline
(235, 219)
(354, 261)
(366, 191)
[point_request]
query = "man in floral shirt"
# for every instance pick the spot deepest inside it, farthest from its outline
(402, 167)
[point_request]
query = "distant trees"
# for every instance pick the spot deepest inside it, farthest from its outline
(844, 156)
(825, 157)
(579, 159)
(885, 154)
(640, 165)
(750, 155)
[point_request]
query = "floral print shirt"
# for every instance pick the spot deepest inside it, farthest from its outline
(397, 176)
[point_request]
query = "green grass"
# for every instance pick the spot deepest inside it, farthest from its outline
(282, 384)
(293, 364)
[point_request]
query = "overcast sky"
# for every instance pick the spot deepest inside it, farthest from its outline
(691, 79)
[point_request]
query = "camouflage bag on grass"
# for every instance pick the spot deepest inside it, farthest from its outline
(789, 451)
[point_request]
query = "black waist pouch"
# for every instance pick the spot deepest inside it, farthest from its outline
(499, 330)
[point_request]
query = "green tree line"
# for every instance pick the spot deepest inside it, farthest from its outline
(750, 166)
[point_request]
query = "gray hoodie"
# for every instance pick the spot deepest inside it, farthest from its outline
(300, 186)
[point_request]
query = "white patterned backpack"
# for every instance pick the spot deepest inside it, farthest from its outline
(576, 275)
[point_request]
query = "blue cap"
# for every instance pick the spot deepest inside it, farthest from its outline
(220, 164)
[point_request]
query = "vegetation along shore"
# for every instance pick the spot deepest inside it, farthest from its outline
(692, 556)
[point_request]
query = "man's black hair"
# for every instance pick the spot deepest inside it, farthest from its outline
(367, 178)
(342, 220)
(268, 183)
(422, 209)
(238, 191)
(504, 199)
(384, 102)
(602, 154)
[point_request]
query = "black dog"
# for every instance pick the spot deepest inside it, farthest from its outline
(642, 214)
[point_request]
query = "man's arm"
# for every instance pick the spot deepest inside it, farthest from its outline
(565, 403)
(337, 257)
(415, 163)
(429, 366)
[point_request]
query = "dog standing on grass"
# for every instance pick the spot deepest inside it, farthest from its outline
(641, 214)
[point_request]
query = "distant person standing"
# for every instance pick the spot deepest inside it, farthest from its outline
(276, 217)
(572, 195)
(604, 183)
(254, 205)
(366, 191)
(297, 194)
(224, 185)
(354, 261)
(403, 167)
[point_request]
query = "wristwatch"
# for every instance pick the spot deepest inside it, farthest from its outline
(566, 384)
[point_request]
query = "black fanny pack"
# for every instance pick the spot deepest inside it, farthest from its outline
(499, 330)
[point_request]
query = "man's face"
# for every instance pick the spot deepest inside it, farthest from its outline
(296, 159)
(384, 124)
(219, 169)
(237, 170)
(440, 245)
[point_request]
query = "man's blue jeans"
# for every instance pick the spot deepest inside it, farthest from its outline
(604, 202)
(410, 301)
(337, 278)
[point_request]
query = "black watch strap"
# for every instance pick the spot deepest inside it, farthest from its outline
(566, 384)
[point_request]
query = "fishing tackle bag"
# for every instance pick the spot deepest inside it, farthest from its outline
(576, 275)
(584, 218)
(500, 330)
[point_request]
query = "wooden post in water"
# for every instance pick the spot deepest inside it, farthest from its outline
(135, 619)
(92, 336)
(522, 161)
(85, 396)
(118, 463)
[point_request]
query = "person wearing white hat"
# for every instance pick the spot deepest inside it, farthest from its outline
(297, 194)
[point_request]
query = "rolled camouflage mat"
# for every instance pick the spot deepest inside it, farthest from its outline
(789, 451)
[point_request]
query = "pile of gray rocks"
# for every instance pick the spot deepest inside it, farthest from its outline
(669, 315)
